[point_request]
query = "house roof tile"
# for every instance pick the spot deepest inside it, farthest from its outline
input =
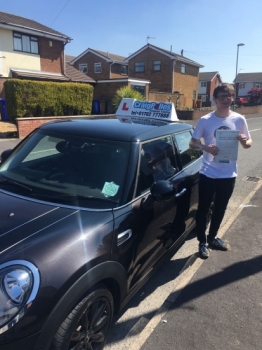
(168, 53)
(110, 57)
(69, 58)
(72, 74)
(77, 76)
(249, 77)
(38, 75)
(7, 19)
(207, 76)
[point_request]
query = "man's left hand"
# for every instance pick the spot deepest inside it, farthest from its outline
(245, 142)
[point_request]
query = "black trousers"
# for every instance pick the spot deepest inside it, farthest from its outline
(219, 190)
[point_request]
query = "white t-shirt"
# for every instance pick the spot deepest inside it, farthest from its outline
(206, 129)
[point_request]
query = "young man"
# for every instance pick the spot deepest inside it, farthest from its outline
(217, 179)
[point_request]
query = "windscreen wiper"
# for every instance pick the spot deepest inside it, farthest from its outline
(13, 182)
(70, 197)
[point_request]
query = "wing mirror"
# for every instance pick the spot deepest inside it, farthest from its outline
(5, 154)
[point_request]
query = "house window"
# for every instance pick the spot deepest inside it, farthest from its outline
(203, 83)
(124, 70)
(98, 68)
(241, 85)
(139, 88)
(259, 85)
(83, 67)
(203, 98)
(194, 95)
(25, 43)
(183, 68)
(139, 66)
(156, 65)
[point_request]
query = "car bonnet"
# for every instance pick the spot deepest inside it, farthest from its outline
(20, 218)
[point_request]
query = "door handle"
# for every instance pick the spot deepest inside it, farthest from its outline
(123, 237)
(181, 193)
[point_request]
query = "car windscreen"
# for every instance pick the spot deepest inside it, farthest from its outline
(67, 169)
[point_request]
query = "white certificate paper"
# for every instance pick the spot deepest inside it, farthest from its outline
(227, 143)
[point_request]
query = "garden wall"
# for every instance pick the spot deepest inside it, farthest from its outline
(27, 125)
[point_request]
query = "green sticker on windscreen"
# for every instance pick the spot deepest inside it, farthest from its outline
(110, 189)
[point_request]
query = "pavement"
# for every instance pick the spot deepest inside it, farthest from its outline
(220, 307)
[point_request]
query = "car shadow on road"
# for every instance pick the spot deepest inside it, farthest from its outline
(233, 273)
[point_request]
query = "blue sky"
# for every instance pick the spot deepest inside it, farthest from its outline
(208, 31)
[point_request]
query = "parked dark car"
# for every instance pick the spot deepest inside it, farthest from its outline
(89, 210)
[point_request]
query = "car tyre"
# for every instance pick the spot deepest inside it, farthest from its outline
(87, 325)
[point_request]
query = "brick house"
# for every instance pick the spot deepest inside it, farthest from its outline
(101, 65)
(110, 73)
(208, 81)
(247, 81)
(30, 50)
(167, 71)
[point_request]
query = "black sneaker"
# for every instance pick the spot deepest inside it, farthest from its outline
(217, 243)
(203, 251)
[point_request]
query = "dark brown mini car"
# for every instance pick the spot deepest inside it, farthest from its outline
(89, 209)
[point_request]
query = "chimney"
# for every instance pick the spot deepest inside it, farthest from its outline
(171, 48)
(182, 52)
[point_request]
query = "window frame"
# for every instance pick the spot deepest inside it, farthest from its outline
(140, 88)
(183, 68)
(156, 66)
(123, 67)
(97, 65)
(257, 84)
(21, 39)
(241, 85)
(139, 66)
(203, 84)
(83, 65)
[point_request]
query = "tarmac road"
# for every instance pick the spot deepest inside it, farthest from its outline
(221, 306)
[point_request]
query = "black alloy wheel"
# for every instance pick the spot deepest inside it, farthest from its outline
(87, 325)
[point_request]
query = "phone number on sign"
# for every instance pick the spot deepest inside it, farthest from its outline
(151, 114)
(160, 115)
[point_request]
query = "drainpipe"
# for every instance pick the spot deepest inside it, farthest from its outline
(173, 75)
(110, 69)
(67, 41)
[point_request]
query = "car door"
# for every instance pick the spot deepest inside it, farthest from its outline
(152, 220)
(190, 163)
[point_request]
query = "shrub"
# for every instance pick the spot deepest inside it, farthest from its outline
(27, 98)
(126, 92)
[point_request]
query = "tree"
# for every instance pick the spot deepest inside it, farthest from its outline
(126, 92)
(255, 95)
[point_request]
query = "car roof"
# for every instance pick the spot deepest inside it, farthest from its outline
(113, 129)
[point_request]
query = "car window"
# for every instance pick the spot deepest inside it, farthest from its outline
(70, 166)
(157, 163)
(45, 147)
(187, 154)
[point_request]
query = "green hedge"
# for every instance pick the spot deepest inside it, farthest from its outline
(27, 98)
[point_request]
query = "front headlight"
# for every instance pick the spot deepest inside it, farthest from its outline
(19, 283)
